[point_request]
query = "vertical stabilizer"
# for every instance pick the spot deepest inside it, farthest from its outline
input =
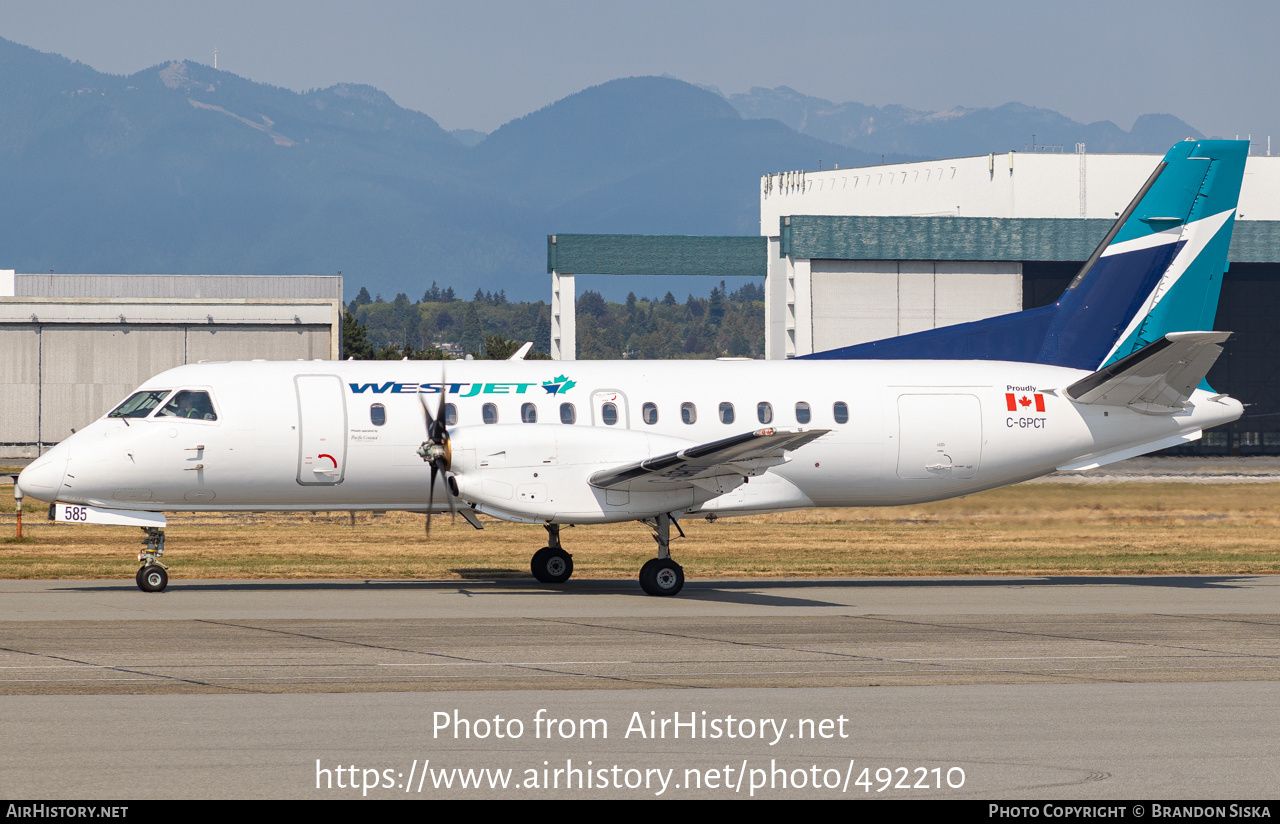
(1186, 296)
(1157, 271)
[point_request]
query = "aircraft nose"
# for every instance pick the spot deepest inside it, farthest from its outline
(43, 477)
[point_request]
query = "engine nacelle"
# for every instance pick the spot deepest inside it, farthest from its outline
(538, 473)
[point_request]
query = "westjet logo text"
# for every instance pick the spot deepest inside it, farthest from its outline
(462, 389)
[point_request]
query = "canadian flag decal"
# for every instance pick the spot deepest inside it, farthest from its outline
(1022, 403)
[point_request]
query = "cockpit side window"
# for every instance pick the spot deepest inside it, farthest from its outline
(139, 404)
(191, 404)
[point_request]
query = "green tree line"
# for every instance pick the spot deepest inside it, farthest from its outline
(440, 325)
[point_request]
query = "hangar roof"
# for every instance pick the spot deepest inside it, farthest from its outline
(325, 287)
(718, 256)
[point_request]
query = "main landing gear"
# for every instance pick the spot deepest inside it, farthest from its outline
(658, 576)
(551, 564)
(152, 576)
(661, 575)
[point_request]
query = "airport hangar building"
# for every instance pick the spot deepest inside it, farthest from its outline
(860, 254)
(75, 345)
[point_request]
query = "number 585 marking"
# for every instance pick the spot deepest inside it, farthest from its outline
(75, 513)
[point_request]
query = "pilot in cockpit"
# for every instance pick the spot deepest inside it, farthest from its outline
(187, 404)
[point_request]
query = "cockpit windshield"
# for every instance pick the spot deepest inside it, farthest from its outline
(139, 404)
(189, 404)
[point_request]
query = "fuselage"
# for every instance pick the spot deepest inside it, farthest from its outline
(327, 435)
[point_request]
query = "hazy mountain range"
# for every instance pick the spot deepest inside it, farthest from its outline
(183, 168)
(957, 132)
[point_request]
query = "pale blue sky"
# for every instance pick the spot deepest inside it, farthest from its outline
(478, 64)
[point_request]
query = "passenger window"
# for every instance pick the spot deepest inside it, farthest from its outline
(450, 414)
(802, 412)
(726, 412)
(609, 414)
(188, 404)
(377, 414)
(649, 413)
(139, 404)
(688, 412)
(528, 413)
(489, 412)
(841, 411)
(568, 414)
(764, 412)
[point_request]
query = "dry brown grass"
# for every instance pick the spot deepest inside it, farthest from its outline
(1025, 530)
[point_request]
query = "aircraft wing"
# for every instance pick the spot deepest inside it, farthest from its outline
(1156, 379)
(742, 455)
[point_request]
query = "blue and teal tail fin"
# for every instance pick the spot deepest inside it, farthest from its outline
(1158, 270)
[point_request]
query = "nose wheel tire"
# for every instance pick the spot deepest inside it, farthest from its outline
(152, 578)
(551, 565)
(661, 576)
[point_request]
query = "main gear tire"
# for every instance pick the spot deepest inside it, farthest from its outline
(661, 577)
(551, 565)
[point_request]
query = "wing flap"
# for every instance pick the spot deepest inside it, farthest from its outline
(744, 455)
(1157, 379)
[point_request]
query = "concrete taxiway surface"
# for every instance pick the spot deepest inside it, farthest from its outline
(1053, 687)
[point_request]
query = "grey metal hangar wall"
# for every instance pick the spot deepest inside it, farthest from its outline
(75, 345)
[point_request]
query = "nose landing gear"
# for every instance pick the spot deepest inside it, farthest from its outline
(152, 576)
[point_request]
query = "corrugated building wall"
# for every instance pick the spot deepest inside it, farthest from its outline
(75, 345)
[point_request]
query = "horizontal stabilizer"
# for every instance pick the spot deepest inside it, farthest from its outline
(1156, 379)
(1116, 455)
(742, 455)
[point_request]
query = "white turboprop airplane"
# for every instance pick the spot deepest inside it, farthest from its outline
(1112, 370)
